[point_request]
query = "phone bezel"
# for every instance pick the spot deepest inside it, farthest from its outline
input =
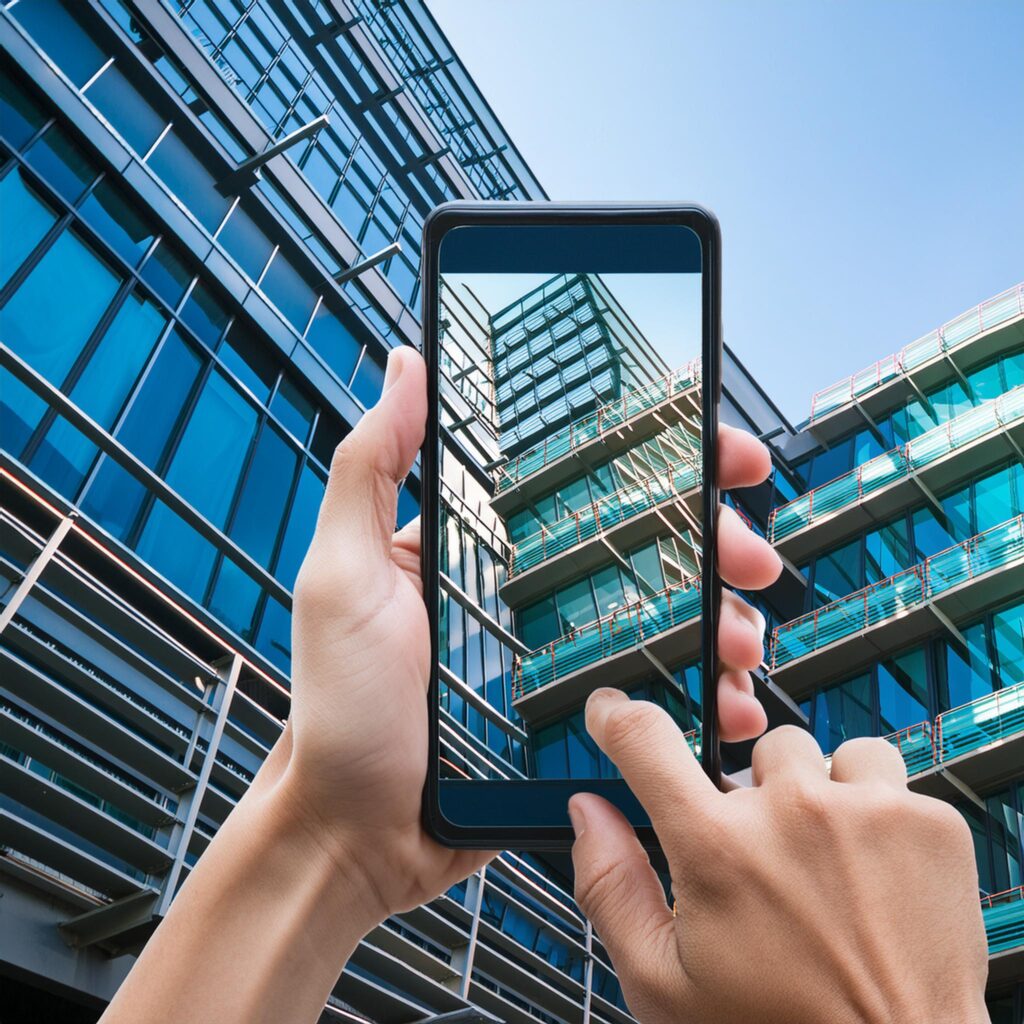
(522, 834)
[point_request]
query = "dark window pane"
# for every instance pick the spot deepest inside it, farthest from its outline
(334, 342)
(902, 691)
(245, 242)
(887, 551)
(63, 458)
(301, 523)
(843, 712)
(288, 290)
(61, 163)
(408, 506)
(52, 314)
(20, 115)
(71, 48)
(25, 218)
(293, 409)
(166, 273)
(608, 586)
(837, 574)
(967, 675)
(275, 635)
(264, 495)
(119, 224)
(538, 623)
(369, 380)
(161, 402)
(122, 105)
(575, 606)
(183, 174)
(1008, 635)
(249, 361)
(205, 314)
(114, 499)
(213, 448)
(329, 432)
(176, 551)
(118, 360)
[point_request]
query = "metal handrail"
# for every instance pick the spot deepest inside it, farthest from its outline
(610, 416)
(911, 587)
(990, 313)
(898, 463)
(676, 480)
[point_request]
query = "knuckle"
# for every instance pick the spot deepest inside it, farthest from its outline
(946, 823)
(606, 889)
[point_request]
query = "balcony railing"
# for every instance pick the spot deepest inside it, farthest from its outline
(995, 548)
(896, 464)
(603, 514)
(1004, 919)
(991, 718)
(949, 336)
(608, 417)
(624, 629)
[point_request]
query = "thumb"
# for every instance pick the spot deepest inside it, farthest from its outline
(359, 507)
(621, 894)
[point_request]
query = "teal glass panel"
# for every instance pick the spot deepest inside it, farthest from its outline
(50, 334)
(993, 500)
(837, 574)
(575, 606)
(26, 219)
(293, 409)
(205, 314)
(886, 552)
(538, 623)
(902, 691)
(213, 448)
(1008, 638)
(301, 523)
(609, 591)
(966, 672)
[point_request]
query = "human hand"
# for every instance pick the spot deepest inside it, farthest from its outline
(356, 743)
(804, 899)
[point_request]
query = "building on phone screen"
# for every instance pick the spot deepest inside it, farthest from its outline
(211, 226)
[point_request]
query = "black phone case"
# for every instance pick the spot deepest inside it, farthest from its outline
(523, 836)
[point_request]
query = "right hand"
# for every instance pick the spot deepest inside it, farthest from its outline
(804, 899)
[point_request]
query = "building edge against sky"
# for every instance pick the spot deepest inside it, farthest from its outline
(207, 355)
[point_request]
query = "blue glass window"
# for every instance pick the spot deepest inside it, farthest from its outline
(20, 412)
(289, 291)
(903, 691)
(176, 551)
(212, 450)
(234, 598)
(301, 524)
(20, 116)
(575, 606)
(205, 314)
(837, 574)
(117, 221)
(843, 712)
(293, 409)
(275, 634)
(408, 506)
(181, 170)
(63, 458)
(50, 334)
(61, 163)
(166, 273)
(268, 483)
(60, 35)
(245, 357)
(369, 380)
(887, 551)
(967, 675)
(1008, 639)
(114, 499)
(245, 242)
(334, 342)
(26, 219)
(123, 106)
(538, 623)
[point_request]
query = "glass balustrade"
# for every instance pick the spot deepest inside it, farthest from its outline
(993, 717)
(1004, 919)
(997, 548)
(603, 514)
(897, 464)
(624, 629)
(609, 416)
(956, 332)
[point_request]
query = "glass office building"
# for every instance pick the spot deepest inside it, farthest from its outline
(199, 284)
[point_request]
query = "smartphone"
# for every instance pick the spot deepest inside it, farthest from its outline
(569, 500)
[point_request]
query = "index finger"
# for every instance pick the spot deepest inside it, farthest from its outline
(649, 748)
(743, 461)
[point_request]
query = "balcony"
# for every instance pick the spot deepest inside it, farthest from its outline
(883, 485)
(615, 426)
(993, 326)
(954, 583)
(616, 650)
(579, 543)
(1004, 928)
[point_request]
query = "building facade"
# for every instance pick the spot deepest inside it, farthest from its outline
(199, 284)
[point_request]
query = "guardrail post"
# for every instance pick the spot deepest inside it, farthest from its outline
(35, 570)
(475, 892)
(588, 971)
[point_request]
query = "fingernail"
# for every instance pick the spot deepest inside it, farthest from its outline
(579, 822)
(393, 369)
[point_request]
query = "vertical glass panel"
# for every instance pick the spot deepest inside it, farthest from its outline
(114, 499)
(902, 691)
(213, 448)
(245, 242)
(550, 753)
(62, 163)
(288, 290)
(20, 412)
(647, 566)
(234, 598)
(63, 458)
(931, 534)
(843, 712)
(176, 551)
(117, 222)
(186, 177)
(161, 401)
(261, 505)
(1008, 636)
(993, 500)
(25, 217)
(829, 464)
(166, 273)
(274, 639)
(886, 552)
(967, 674)
(20, 115)
(57, 32)
(837, 574)
(123, 106)
(205, 314)
(301, 523)
(608, 588)
(293, 409)
(115, 365)
(50, 317)
(584, 757)
(538, 623)
(408, 507)
(248, 359)
(575, 606)
(369, 380)
(334, 342)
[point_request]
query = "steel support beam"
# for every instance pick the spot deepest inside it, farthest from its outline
(35, 570)
(246, 174)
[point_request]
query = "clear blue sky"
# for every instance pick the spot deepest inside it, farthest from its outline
(866, 159)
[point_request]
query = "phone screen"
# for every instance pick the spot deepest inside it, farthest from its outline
(570, 508)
